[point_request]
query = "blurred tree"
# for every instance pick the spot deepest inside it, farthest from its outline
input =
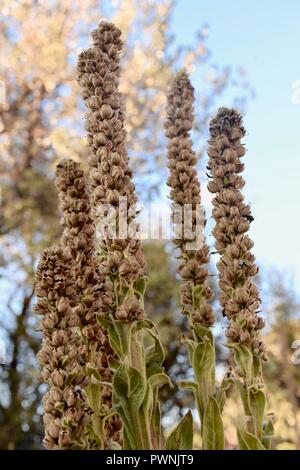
(41, 122)
(282, 371)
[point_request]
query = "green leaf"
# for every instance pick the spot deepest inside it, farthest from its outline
(158, 380)
(181, 438)
(156, 424)
(243, 394)
(202, 332)
(147, 324)
(212, 427)
(247, 440)
(257, 366)
(268, 432)
(122, 341)
(191, 345)
(257, 402)
(113, 363)
(189, 385)
(137, 388)
(203, 359)
(204, 368)
(221, 392)
(93, 392)
(120, 382)
(155, 356)
(114, 340)
(244, 360)
(140, 286)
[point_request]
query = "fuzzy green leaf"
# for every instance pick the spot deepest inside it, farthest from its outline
(156, 424)
(181, 438)
(137, 388)
(247, 440)
(204, 368)
(202, 332)
(140, 286)
(244, 360)
(114, 340)
(221, 392)
(120, 382)
(203, 358)
(268, 433)
(189, 385)
(191, 345)
(158, 380)
(257, 402)
(243, 394)
(155, 356)
(212, 428)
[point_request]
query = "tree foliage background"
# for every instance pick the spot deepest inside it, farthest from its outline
(40, 123)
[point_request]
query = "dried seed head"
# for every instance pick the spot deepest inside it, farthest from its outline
(240, 298)
(185, 189)
(59, 354)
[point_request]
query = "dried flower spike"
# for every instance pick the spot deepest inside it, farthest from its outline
(239, 295)
(194, 254)
(110, 175)
(79, 238)
(66, 412)
(121, 256)
(185, 194)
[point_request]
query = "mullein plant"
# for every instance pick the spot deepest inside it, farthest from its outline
(101, 356)
(67, 414)
(239, 299)
(189, 220)
(137, 370)
(79, 239)
(83, 333)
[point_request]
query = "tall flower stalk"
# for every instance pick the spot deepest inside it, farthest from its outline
(194, 256)
(79, 238)
(137, 371)
(239, 295)
(67, 414)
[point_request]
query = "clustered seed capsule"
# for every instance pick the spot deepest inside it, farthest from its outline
(185, 190)
(239, 295)
(79, 238)
(66, 410)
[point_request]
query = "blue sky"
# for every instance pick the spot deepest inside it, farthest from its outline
(264, 38)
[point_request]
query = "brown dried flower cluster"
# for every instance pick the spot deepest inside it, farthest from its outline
(110, 175)
(79, 238)
(185, 193)
(61, 355)
(240, 297)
